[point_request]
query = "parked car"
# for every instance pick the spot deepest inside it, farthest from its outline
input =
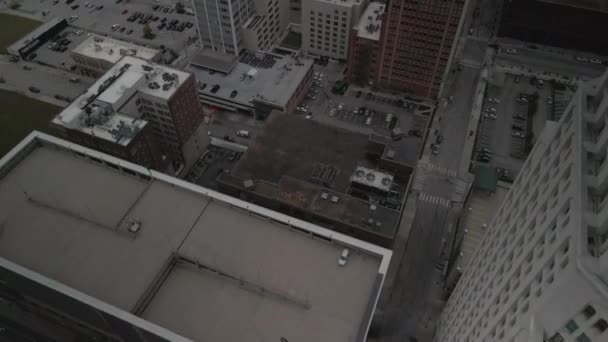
(242, 133)
(72, 18)
(368, 121)
(34, 89)
(343, 257)
(493, 100)
(511, 51)
(389, 117)
(491, 110)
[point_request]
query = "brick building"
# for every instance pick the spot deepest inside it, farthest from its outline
(364, 47)
(417, 39)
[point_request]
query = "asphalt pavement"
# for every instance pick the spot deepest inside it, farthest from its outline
(101, 21)
(49, 81)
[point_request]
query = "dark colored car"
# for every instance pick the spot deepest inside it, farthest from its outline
(34, 90)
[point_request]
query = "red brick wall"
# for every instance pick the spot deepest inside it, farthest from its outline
(186, 110)
(417, 38)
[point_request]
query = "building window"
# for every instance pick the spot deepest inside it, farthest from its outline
(571, 326)
(589, 311)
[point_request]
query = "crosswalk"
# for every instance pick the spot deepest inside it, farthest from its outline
(437, 200)
(440, 170)
(461, 189)
(471, 63)
(422, 172)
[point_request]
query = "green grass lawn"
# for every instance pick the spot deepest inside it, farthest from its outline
(12, 28)
(20, 115)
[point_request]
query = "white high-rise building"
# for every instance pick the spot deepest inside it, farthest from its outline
(220, 23)
(326, 26)
(228, 26)
(541, 270)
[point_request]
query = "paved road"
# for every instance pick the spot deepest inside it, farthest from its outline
(543, 61)
(50, 81)
(413, 306)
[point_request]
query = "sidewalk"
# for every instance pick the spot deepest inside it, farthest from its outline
(469, 144)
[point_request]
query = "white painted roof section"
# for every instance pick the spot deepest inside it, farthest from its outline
(342, 2)
(370, 22)
(112, 50)
(372, 178)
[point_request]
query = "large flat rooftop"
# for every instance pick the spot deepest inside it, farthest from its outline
(304, 163)
(234, 271)
(112, 50)
(263, 77)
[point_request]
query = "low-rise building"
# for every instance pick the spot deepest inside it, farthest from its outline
(364, 47)
(322, 174)
(98, 54)
(131, 95)
(256, 83)
(40, 35)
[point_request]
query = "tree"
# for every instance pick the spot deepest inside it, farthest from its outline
(147, 31)
(179, 7)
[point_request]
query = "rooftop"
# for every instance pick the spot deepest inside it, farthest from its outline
(109, 232)
(97, 110)
(371, 21)
(342, 2)
(112, 50)
(33, 35)
(264, 77)
(296, 161)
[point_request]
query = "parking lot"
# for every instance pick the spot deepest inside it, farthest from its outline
(110, 18)
(56, 52)
(513, 115)
(213, 161)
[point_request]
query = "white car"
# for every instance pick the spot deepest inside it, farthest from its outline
(491, 110)
(302, 109)
(595, 61)
(72, 18)
(356, 110)
(332, 112)
(368, 121)
(493, 100)
(491, 116)
(582, 59)
(341, 106)
(511, 51)
(243, 133)
(343, 257)
(389, 117)
(115, 27)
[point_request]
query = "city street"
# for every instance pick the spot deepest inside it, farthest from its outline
(48, 80)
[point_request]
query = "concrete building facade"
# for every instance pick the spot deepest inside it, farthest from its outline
(326, 26)
(228, 26)
(541, 271)
(364, 47)
(417, 40)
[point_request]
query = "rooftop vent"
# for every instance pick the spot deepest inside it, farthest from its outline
(372, 207)
(335, 199)
(324, 195)
(134, 226)
(370, 177)
(153, 85)
(248, 184)
(386, 181)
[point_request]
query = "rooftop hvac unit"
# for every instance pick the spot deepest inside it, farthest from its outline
(324, 195)
(335, 199)
(372, 207)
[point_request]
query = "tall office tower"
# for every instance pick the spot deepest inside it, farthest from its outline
(228, 26)
(541, 271)
(417, 39)
(295, 11)
(326, 26)
(220, 23)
